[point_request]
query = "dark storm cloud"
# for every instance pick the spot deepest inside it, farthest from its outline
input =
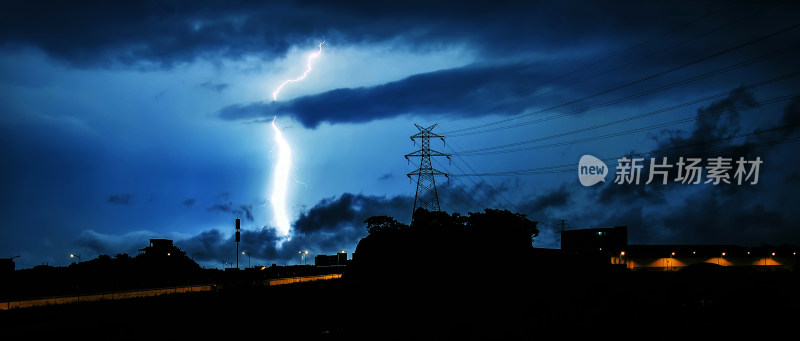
(101, 33)
(329, 226)
(507, 86)
(98, 243)
(120, 199)
(713, 221)
(221, 207)
(208, 245)
(711, 136)
(245, 212)
(240, 211)
(351, 209)
(791, 117)
(466, 196)
(189, 202)
(559, 197)
(678, 213)
(463, 91)
(218, 87)
(738, 214)
(552, 37)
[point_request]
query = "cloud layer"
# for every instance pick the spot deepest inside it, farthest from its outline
(333, 224)
(164, 34)
(462, 91)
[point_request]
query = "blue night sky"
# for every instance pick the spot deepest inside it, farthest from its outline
(122, 121)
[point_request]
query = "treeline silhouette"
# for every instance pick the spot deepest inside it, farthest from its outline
(444, 276)
(155, 267)
(478, 277)
(439, 244)
(149, 269)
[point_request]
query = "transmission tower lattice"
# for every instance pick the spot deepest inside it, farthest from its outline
(426, 196)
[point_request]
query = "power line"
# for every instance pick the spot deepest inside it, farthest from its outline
(490, 197)
(595, 138)
(465, 195)
(644, 93)
(512, 205)
(499, 149)
(472, 196)
(571, 166)
(624, 51)
(638, 81)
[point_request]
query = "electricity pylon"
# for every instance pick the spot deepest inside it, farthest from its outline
(426, 196)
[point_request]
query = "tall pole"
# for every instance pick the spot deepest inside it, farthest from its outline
(238, 226)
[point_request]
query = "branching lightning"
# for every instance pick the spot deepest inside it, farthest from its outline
(280, 180)
(311, 58)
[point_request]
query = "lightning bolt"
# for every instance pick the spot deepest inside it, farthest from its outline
(311, 58)
(280, 180)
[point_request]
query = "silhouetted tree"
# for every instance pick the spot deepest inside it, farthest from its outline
(483, 239)
(425, 220)
(380, 224)
(504, 227)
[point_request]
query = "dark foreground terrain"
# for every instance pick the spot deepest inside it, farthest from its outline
(444, 277)
(469, 305)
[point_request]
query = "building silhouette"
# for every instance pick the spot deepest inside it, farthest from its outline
(611, 244)
(602, 240)
(160, 247)
(339, 259)
(7, 265)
